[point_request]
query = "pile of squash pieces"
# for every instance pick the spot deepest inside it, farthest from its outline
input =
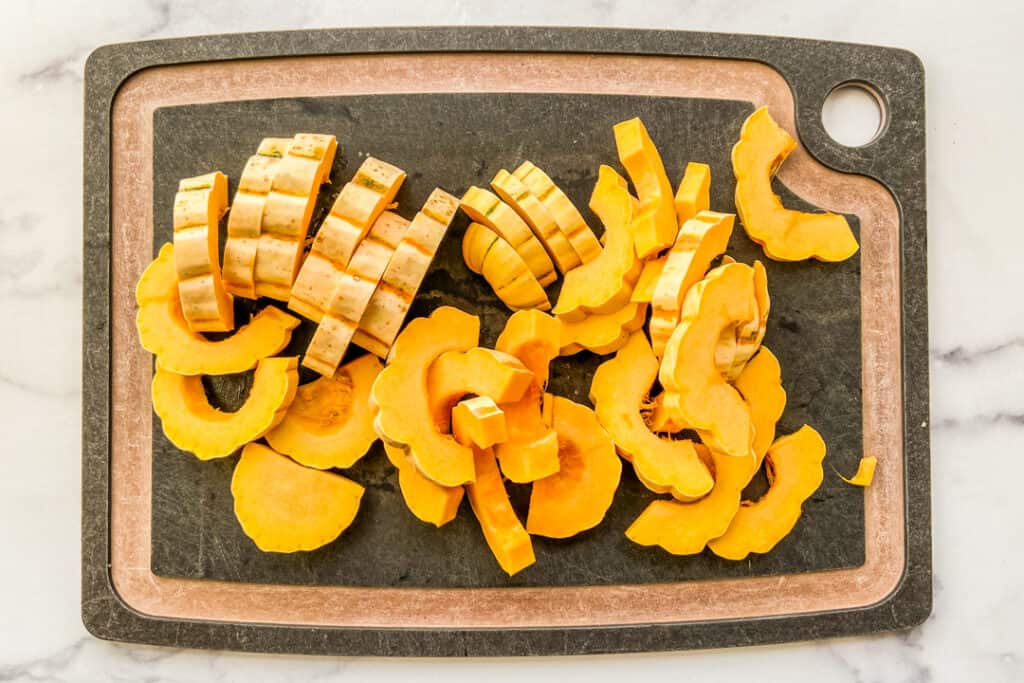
(457, 419)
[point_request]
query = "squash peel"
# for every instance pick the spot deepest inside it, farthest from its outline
(865, 472)
(485, 208)
(487, 253)
(514, 193)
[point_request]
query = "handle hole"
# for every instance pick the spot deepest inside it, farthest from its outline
(853, 114)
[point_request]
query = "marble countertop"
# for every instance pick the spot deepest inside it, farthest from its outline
(976, 328)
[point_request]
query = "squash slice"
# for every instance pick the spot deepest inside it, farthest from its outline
(654, 225)
(246, 217)
(505, 535)
(355, 288)
(481, 372)
(602, 333)
(285, 507)
(734, 353)
(164, 332)
(329, 424)
(760, 384)
(404, 416)
(694, 193)
(698, 242)
(358, 206)
(487, 253)
(578, 496)
(287, 211)
(198, 206)
(561, 208)
(485, 208)
(428, 501)
(618, 391)
(793, 465)
(531, 450)
(389, 305)
(605, 284)
(785, 234)
(865, 472)
(514, 193)
(192, 424)
(696, 393)
(644, 289)
(686, 528)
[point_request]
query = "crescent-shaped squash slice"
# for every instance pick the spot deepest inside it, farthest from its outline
(285, 507)
(685, 528)
(696, 393)
(793, 466)
(694, 193)
(561, 208)
(760, 384)
(485, 208)
(531, 450)
(514, 193)
(505, 535)
(785, 234)
(605, 284)
(577, 497)
(482, 372)
(654, 226)
(329, 424)
(198, 206)
(644, 289)
(164, 332)
(488, 254)
(603, 333)
(192, 424)
(734, 353)
(699, 241)
(619, 390)
(427, 501)
(404, 415)
(865, 472)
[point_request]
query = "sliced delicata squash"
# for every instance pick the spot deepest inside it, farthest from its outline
(285, 507)
(192, 424)
(164, 332)
(329, 424)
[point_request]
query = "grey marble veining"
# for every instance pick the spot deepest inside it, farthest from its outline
(976, 330)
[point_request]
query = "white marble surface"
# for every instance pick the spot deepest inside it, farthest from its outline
(972, 55)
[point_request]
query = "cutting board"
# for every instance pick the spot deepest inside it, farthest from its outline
(164, 560)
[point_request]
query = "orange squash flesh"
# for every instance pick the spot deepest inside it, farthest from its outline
(329, 424)
(760, 384)
(785, 234)
(695, 391)
(578, 496)
(654, 226)
(531, 450)
(285, 507)
(482, 372)
(694, 193)
(618, 391)
(428, 501)
(794, 473)
(505, 535)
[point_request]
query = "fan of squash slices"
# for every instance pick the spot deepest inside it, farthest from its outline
(691, 402)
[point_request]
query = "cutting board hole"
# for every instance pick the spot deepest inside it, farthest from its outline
(853, 114)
